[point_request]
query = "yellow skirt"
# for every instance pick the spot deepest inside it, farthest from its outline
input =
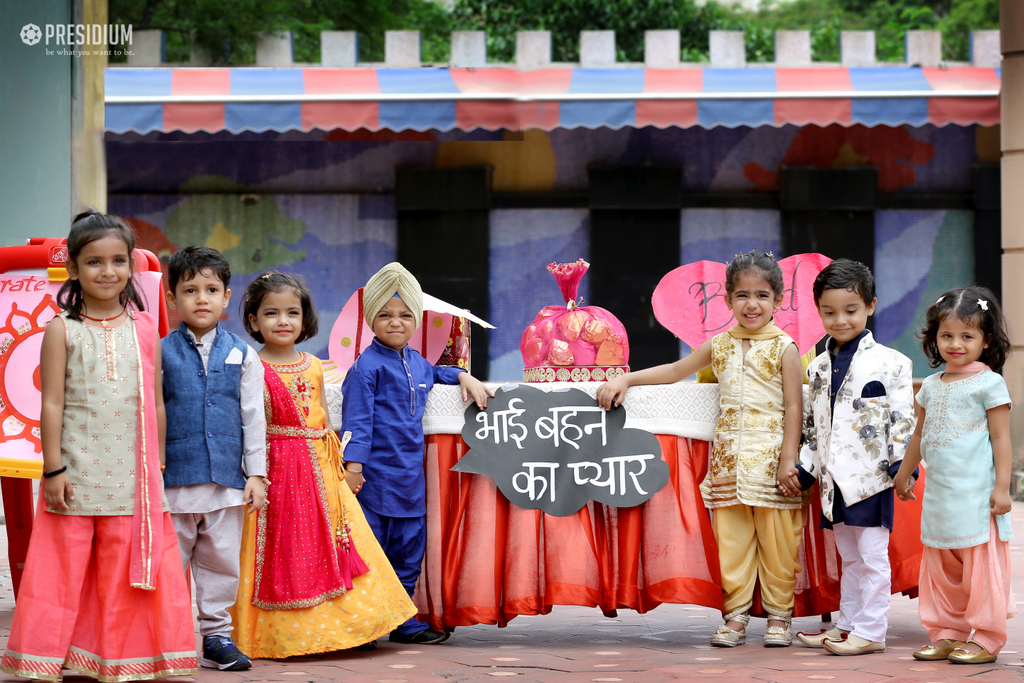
(374, 607)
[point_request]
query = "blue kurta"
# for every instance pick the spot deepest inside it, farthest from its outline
(385, 394)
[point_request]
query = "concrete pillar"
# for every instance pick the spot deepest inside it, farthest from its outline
(1011, 26)
(792, 48)
(661, 49)
(469, 49)
(985, 49)
(923, 48)
(727, 49)
(597, 49)
(402, 49)
(274, 49)
(35, 155)
(339, 49)
(857, 48)
(147, 48)
(533, 49)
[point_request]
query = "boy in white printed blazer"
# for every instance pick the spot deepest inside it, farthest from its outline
(858, 424)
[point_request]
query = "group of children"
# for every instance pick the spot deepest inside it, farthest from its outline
(200, 453)
(864, 436)
(196, 452)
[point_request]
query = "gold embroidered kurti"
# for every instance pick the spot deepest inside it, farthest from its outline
(748, 436)
(377, 602)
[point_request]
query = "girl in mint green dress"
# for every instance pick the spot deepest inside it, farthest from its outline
(963, 435)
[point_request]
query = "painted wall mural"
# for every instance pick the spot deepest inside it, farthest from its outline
(327, 211)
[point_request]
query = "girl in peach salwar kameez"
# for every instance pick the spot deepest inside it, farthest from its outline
(314, 578)
(103, 591)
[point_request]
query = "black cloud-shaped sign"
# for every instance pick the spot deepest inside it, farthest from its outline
(555, 450)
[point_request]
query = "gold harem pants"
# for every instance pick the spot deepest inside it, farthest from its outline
(758, 543)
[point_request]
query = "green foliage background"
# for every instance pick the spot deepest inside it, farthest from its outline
(226, 30)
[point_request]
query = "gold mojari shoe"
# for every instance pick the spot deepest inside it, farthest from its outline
(726, 637)
(931, 653)
(962, 656)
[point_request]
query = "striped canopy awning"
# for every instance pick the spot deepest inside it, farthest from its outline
(259, 99)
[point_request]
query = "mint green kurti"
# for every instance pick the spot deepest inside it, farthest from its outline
(957, 451)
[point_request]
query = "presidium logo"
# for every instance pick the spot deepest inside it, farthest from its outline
(31, 34)
(105, 39)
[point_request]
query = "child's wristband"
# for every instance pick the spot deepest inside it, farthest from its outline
(54, 473)
(349, 469)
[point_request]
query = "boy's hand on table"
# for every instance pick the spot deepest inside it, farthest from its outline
(255, 493)
(475, 389)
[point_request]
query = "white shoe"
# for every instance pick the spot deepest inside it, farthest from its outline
(853, 645)
(818, 639)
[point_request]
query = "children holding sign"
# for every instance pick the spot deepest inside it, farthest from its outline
(752, 487)
(385, 397)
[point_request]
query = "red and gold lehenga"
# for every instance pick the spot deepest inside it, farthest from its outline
(313, 578)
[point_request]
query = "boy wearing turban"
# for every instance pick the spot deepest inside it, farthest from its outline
(385, 393)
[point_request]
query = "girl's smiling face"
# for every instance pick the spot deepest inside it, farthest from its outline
(752, 300)
(960, 343)
(103, 268)
(279, 318)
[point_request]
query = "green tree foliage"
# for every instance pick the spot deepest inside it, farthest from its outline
(226, 30)
(566, 18)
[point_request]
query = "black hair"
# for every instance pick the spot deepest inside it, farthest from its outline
(757, 262)
(853, 276)
(188, 262)
(87, 227)
(965, 305)
(274, 281)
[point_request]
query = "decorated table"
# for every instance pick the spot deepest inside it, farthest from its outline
(488, 560)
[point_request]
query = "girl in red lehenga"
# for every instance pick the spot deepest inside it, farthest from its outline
(103, 592)
(305, 588)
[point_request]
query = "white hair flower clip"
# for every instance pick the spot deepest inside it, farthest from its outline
(939, 300)
(983, 304)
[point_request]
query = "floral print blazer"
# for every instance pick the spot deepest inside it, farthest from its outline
(871, 428)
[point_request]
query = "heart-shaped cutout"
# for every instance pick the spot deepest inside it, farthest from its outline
(689, 301)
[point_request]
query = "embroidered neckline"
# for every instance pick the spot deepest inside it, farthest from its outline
(289, 368)
(958, 381)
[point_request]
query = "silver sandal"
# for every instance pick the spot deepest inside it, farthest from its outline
(777, 636)
(726, 637)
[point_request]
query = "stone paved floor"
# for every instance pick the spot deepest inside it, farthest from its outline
(578, 645)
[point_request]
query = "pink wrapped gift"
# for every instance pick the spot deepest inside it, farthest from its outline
(573, 343)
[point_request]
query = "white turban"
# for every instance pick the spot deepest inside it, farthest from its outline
(390, 280)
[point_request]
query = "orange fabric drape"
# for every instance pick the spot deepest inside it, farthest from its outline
(488, 561)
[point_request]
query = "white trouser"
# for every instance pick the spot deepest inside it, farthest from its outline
(210, 542)
(864, 592)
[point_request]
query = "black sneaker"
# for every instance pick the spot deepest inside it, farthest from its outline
(220, 652)
(425, 637)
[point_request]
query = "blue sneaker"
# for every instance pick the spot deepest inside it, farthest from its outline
(220, 652)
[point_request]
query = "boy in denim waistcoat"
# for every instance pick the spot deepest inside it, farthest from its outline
(216, 442)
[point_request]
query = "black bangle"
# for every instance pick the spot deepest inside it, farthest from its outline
(62, 470)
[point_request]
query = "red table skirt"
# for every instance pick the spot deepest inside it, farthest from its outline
(488, 561)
